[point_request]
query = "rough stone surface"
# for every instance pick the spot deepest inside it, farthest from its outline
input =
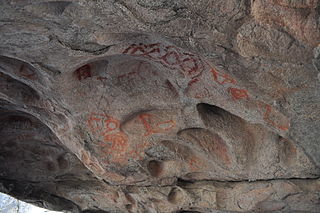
(161, 106)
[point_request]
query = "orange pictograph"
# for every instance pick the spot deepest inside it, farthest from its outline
(238, 93)
(152, 127)
(267, 118)
(115, 144)
(119, 141)
(104, 125)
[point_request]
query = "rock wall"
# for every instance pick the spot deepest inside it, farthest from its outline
(161, 106)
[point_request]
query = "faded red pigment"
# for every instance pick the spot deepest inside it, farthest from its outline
(28, 73)
(83, 72)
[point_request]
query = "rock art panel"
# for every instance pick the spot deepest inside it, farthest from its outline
(160, 106)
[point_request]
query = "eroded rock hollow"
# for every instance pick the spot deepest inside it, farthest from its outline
(161, 106)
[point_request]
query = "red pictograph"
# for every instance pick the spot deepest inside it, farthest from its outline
(83, 72)
(28, 73)
(222, 78)
(146, 50)
(169, 56)
(193, 81)
(191, 66)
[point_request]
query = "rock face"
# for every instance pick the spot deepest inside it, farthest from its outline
(161, 106)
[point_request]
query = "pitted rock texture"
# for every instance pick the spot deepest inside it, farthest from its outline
(161, 106)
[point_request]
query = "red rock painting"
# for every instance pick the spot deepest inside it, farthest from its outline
(83, 72)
